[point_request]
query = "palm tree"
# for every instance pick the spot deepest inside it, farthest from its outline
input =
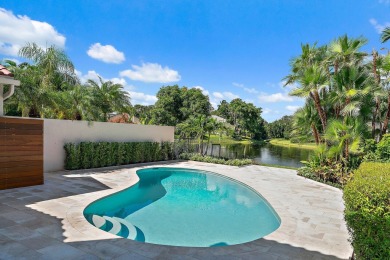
(345, 51)
(311, 54)
(108, 97)
(385, 36)
(55, 66)
(211, 126)
(385, 68)
(307, 118)
(344, 135)
(30, 97)
(311, 82)
(75, 103)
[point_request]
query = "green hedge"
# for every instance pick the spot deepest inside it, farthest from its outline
(87, 155)
(383, 148)
(209, 159)
(367, 212)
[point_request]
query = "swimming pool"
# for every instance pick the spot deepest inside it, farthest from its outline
(185, 207)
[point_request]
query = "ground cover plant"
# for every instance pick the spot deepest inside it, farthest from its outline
(209, 159)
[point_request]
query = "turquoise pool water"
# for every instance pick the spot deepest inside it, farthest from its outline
(184, 207)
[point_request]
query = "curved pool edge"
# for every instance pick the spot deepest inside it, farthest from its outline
(75, 214)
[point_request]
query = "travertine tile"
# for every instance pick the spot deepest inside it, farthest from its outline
(46, 221)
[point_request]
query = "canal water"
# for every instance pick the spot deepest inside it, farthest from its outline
(265, 154)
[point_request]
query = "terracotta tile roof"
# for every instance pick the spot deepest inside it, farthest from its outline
(121, 118)
(5, 72)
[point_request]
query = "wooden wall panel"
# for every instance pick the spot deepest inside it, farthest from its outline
(21, 152)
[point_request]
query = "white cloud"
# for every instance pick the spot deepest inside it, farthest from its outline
(204, 91)
(266, 111)
(378, 27)
(249, 90)
(93, 75)
(142, 98)
(230, 95)
(17, 30)
(225, 95)
(105, 53)
(276, 97)
(293, 108)
(218, 95)
(239, 85)
(151, 72)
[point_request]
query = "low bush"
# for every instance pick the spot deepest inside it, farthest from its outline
(87, 155)
(383, 149)
(367, 210)
(209, 159)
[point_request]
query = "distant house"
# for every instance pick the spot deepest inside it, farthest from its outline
(219, 119)
(120, 118)
(123, 119)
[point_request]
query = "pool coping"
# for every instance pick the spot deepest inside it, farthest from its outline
(47, 222)
(75, 217)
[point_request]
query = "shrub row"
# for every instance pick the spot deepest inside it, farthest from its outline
(367, 210)
(377, 152)
(87, 155)
(209, 159)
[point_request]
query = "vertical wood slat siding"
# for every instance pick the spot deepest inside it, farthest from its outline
(21, 152)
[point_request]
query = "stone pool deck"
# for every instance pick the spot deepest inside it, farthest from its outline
(46, 221)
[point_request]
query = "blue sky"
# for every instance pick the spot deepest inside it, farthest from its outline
(228, 48)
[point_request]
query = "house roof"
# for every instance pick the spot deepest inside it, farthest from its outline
(5, 72)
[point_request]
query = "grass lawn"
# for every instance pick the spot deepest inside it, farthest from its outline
(287, 143)
(228, 140)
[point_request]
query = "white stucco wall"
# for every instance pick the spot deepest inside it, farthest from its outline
(59, 132)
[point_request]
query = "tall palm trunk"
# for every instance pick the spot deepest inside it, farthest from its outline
(346, 151)
(316, 97)
(377, 80)
(315, 133)
(374, 115)
(386, 122)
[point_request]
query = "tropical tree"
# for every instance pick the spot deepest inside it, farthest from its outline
(311, 82)
(306, 122)
(56, 69)
(108, 97)
(385, 36)
(345, 51)
(345, 135)
(30, 98)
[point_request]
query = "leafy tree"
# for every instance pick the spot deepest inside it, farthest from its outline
(194, 103)
(280, 128)
(167, 108)
(175, 105)
(144, 113)
(245, 118)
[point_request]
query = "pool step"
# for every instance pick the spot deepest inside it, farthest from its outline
(116, 226)
(127, 230)
(98, 222)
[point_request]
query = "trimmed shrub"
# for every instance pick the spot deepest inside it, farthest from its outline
(87, 155)
(209, 159)
(367, 212)
(72, 156)
(383, 148)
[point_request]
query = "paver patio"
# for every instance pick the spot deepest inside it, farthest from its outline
(46, 221)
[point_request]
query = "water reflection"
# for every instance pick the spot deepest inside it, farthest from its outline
(267, 153)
